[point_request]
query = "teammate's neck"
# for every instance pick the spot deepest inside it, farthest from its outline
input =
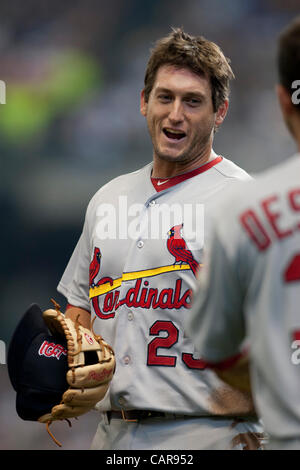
(297, 137)
(167, 169)
(293, 124)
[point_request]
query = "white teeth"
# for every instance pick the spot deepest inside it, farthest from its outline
(174, 131)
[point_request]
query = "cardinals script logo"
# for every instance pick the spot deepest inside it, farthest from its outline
(141, 294)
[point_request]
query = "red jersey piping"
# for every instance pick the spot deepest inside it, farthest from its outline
(161, 184)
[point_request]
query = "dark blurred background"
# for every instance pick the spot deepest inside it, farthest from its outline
(73, 72)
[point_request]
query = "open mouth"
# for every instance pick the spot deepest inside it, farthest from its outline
(173, 134)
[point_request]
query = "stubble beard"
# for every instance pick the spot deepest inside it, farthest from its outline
(195, 150)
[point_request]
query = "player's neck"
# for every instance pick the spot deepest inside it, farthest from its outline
(293, 124)
(168, 169)
(297, 137)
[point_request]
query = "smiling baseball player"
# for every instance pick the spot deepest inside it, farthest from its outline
(250, 284)
(134, 267)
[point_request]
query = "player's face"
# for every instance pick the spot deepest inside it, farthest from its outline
(180, 115)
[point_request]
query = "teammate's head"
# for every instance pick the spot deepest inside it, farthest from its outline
(289, 75)
(203, 57)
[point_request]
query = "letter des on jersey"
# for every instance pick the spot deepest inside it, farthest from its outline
(262, 229)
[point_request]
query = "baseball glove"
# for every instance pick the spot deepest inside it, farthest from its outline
(91, 365)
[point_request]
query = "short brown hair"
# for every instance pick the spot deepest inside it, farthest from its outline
(289, 56)
(198, 54)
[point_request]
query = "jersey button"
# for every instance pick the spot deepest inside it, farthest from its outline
(140, 244)
(126, 360)
(152, 203)
(121, 401)
(130, 316)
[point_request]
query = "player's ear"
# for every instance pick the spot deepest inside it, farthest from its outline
(285, 100)
(143, 104)
(221, 113)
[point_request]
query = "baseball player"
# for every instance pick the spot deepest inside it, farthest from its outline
(134, 267)
(247, 308)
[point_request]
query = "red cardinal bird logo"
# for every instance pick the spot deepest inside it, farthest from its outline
(177, 247)
(95, 266)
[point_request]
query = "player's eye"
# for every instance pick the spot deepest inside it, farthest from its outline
(193, 102)
(164, 98)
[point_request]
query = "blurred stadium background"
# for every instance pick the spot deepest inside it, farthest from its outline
(73, 72)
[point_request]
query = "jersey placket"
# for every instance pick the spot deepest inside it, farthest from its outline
(127, 326)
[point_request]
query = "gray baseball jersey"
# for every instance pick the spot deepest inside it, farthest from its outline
(134, 268)
(250, 288)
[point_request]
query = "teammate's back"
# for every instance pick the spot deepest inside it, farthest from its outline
(262, 239)
(274, 296)
(250, 289)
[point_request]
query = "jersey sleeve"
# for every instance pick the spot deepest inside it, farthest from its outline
(74, 284)
(215, 321)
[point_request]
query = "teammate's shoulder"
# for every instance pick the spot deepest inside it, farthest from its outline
(275, 178)
(231, 170)
(284, 172)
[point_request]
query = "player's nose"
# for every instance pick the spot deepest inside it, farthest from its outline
(176, 112)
